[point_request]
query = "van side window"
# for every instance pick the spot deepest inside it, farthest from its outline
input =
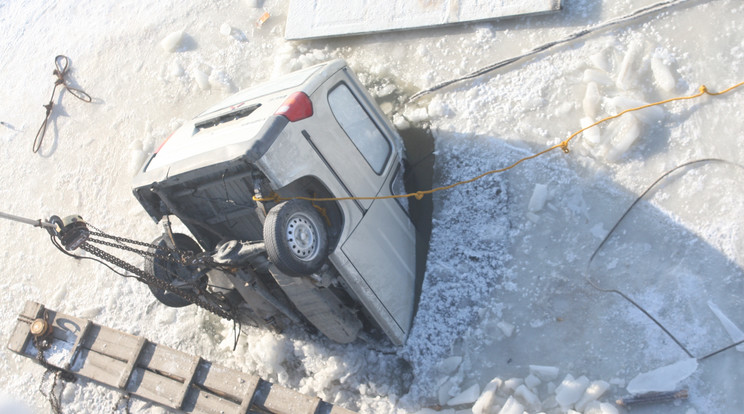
(359, 127)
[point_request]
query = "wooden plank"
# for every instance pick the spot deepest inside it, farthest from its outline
(98, 367)
(280, 400)
(66, 328)
(21, 334)
(339, 410)
(167, 361)
(107, 341)
(250, 391)
(78, 342)
(202, 401)
(188, 380)
(32, 310)
(225, 382)
(154, 372)
(150, 385)
(154, 387)
(19, 337)
(131, 363)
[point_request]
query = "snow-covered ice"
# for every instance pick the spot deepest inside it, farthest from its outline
(505, 296)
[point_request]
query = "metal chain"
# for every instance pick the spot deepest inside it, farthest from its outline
(168, 257)
(187, 257)
(99, 233)
(125, 399)
(203, 300)
(53, 397)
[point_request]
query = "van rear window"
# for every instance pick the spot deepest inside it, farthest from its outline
(359, 127)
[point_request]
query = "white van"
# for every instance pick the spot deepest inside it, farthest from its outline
(251, 178)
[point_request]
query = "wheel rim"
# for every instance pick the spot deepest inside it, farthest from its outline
(302, 237)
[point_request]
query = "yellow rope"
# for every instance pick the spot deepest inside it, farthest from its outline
(563, 145)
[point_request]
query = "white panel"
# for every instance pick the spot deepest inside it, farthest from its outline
(326, 18)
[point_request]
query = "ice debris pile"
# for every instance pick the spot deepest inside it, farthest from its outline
(614, 83)
(460, 278)
(539, 391)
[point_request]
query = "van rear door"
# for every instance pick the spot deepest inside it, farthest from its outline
(350, 140)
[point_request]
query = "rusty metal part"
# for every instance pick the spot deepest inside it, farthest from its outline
(653, 398)
(40, 328)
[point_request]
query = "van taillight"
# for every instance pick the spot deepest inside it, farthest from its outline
(163, 143)
(297, 106)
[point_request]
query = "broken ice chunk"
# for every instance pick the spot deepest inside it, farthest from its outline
(136, 159)
(512, 406)
(175, 69)
(400, 122)
(600, 61)
(511, 384)
(226, 29)
(650, 115)
(592, 393)
(201, 79)
(627, 133)
(506, 328)
(532, 381)
(529, 398)
(445, 390)
(487, 399)
(662, 75)
(597, 76)
(466, 397)
(733, 330)
(626, 74)
(664, 378)
(416, 115)
(591, 100)
(596, 407)
(538, 199)
(546, 373)
(219, 79)
(171, 42)
(450, 364)
(570, 390)
(591, 135)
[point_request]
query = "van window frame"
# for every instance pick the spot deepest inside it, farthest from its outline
(385, 139)
(397, 177)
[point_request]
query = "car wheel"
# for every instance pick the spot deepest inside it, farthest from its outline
(296, 237)
(169, 271)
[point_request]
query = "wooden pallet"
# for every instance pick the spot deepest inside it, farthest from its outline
(156, 373)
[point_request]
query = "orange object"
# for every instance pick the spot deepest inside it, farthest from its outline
(261, 20)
